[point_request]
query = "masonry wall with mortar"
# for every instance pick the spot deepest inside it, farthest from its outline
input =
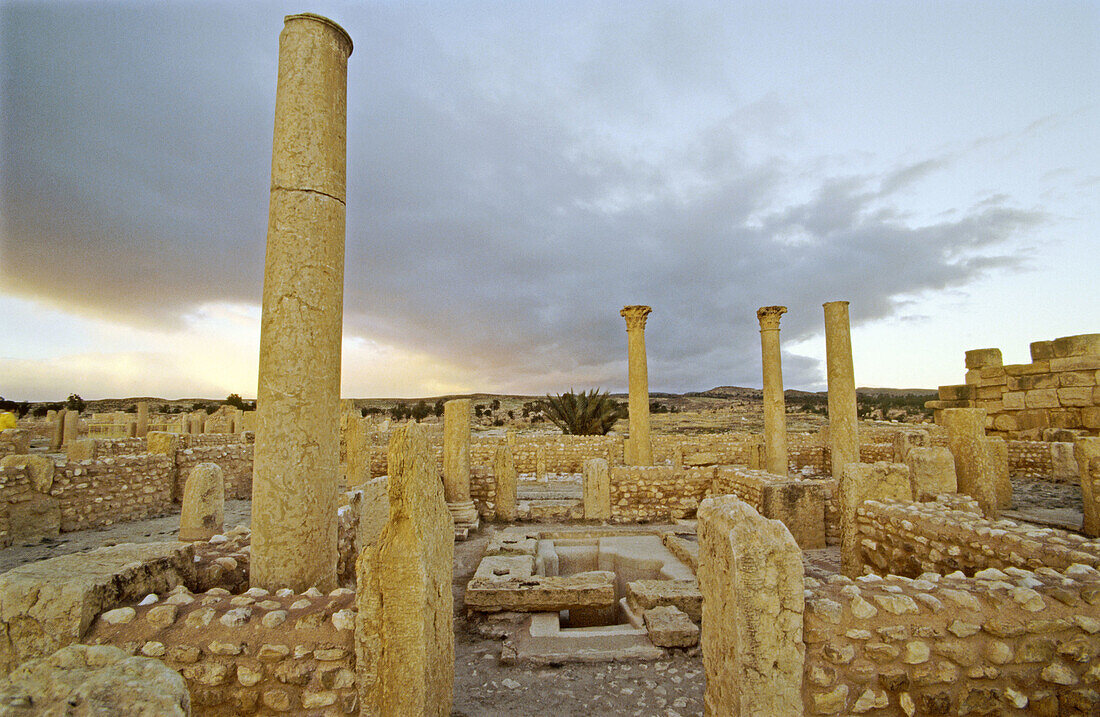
(1012, 642)
(656, 493)
(101, 492)
(908, 539)
(15, 487)
(235, 460)
(781, 499)
(1060, 388)
(14, 441)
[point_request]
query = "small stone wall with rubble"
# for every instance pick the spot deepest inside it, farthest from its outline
(1029, 459)
(235, 460)
(906, 538)
(642, 494)
(785, 499)
(110, 447)
(483, 491)
(15, 487)
(196, 440)
(106, 491)
(1010, 642)
(14, 441)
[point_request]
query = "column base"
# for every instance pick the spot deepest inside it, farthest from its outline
(465, 518)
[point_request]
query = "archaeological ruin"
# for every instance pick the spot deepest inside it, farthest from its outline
(385, 567)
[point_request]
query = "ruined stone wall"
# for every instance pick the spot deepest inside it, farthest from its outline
(252, 653)
(999, 643)
(235, 460)
(908, 539)
(15, 487)
(656, 493)
(14, 441)
(1058, 389)
(105, 491)
(874, 452)
(217, 439)
(483, 490)
(800, 504)
(1029, 459)
(109, 447)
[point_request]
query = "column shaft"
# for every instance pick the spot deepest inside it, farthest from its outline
(456, 463)
(843, 416)
(640, 447)
(775, 414)
(297, 453)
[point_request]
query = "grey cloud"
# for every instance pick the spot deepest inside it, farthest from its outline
(497, 217)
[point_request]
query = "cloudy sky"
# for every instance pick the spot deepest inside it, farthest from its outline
(519, 171)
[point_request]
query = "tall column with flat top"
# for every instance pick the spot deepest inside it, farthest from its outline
(456, 464)
(640, 448)
(775, 412)
(843, 418)
(296, 469)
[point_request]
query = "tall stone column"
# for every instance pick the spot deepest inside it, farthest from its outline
(975, 471)
(775, 412)
(142, 418)
(843, 417)
(640, 448)
(297, 455)
(456, 464)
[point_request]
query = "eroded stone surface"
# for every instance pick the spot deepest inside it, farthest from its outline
(669, 627)
(202, 515)
(843, 419)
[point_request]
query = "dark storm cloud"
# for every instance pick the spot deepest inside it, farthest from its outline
(506, 196)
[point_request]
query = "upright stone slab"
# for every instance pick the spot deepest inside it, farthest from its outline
(57, 437)
(504, 472)
(456, 463)
(71, 427)
(775, 412)
(202, 515)
(142, 418)
(1063, 463)
(904, 441)
(297, 453)
(861, 482)
(404, 634)
(641, 447)
(357, 465)
(931, 472)
(1002, 483)
(750, 575)
(973, 467)
(843, 416)
(597, 489)
(1087, 452)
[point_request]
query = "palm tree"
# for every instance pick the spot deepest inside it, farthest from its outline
(581, 414)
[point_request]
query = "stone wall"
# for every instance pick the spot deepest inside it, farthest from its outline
(656, 493)
(1058, 389)
(96, 493)
(14, 441)
(798, 503)
(251, 653)
(15, 487)
(999, 643)
(235, 460)
(908, 539)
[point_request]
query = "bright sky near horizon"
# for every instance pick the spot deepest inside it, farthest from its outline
(520, 171)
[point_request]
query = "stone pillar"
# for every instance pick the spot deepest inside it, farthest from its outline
(456, 463)
(404, 627)
(540, 463)
(640, 448)
(202, 515)
(775, 412)
(861, 482)
(931, 471)
(1087, 452)
(71, 430)
(142, 418)
(751, 579)
(504, 472)
(1002, 482)
(843, 417)
(974, 469)
(597, 489)
(58, 437)
(297, 454)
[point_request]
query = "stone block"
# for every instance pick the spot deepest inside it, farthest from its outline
(992, 376)
(1090, 417)
(1002, 485)
(982, 358)
(1087, 453)
(1076, 378)
(539, 593)
(1065, 418)
(1013, 401)
(1063, 463)
(684, 595)
(19, 439)
(1042, 398)
(505, 568)
(504, 474)
(1032, 419)
(1032, 383)
(202, 515)
(931, 472)
(83, 449)
(597, 489)
(799, 505)
(1005, 422)
(509, 543)
(1080, 345)
(1042, 350)
(956, 392)
(39, 468)
(31, 520)
(51, 603)
(975, 471)
(1075, 363)
(668, 627)
(904, 441)
(751, 577)
(1075, 396)
(861, 482)
(973, 377)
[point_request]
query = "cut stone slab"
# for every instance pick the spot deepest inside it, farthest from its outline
(97, 679)
(37, 517)
(51, 603)
(669, 627)
(595, 589)
(684, 595)
(513, 544)
(544, 642)
(505, 568)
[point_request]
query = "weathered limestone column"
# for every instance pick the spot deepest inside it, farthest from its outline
(843, 417)
(58, 437)
(751, 577)
(1087, 452)
(202, 515)
(404, 628)
(597, 489)
(974, 469)
(71, 430)
(640, 449)
(358, 453)
(504, 472)
(861, 482)
(142, 418)
(297, 454)
(1002, 482)
(775, 412)
(456, 463)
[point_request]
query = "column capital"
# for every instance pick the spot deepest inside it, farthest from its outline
(829, 304)
(768, 316)
(635, 316)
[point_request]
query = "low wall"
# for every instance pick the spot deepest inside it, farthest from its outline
(235, 460)
(799, 504)
(653, 493)
(96, 493)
